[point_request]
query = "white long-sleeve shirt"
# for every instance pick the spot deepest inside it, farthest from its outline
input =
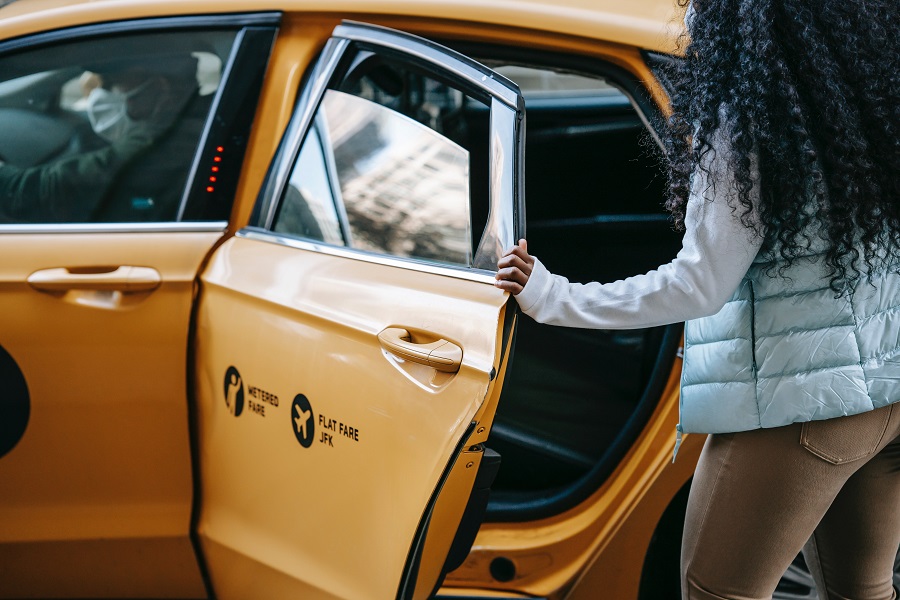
(717, 249)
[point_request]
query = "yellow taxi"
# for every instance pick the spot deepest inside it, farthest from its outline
(249, 342)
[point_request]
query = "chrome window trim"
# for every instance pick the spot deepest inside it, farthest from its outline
(499, 231)
(308, 102)
(474, 73)
(336, 194)
(168, 227)
(470, 274)
(224, 80)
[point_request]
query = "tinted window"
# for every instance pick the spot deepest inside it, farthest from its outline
(105, 129)
(537, 83)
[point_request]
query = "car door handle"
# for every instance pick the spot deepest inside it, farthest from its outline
(122, 279)
(438, 354)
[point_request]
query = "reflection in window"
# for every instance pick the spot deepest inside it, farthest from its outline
(105, 129)
(309, 208)
(541, 82)
(404, 187)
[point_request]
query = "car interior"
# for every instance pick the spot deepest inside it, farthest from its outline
(44, 98)
(573, 400)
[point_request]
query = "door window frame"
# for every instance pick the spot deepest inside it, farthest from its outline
(506, 214)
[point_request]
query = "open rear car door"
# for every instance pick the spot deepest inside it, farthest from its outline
(349, 346)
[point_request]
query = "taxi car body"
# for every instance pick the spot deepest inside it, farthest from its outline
(249, 340)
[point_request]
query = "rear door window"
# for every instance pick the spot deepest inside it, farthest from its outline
(372, 178)
(396, 162)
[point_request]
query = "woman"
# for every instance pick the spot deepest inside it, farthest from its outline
(784, 172)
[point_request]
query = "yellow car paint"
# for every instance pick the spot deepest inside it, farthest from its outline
(250, 505)
(257, 502)
(642, 23)
(125, 499)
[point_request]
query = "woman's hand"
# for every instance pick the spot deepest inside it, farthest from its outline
(514, 269)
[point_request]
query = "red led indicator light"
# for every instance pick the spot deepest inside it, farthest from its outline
(210, 189)
(215, 169)
(217, 159)
(212, 178)
(220, 149)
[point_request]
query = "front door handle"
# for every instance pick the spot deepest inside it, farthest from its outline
(438, 354)
(122, 279)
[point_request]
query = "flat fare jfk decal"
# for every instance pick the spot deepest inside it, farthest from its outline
(304, 420)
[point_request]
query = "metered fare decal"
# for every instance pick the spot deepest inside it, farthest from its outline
(234, 391)
(305, 423)
(234, 395)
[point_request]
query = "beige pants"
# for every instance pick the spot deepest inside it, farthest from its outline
(831, 488)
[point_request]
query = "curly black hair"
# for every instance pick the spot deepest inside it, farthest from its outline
(810, 92)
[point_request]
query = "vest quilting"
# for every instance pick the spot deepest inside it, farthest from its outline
(785, 348)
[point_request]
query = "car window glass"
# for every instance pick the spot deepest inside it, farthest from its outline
(105, 129)
(310, 208)
(537, 83)
(387, 166)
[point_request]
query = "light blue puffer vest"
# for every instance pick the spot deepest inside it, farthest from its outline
(785, 350)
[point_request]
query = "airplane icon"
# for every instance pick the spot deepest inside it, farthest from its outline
(302, 418)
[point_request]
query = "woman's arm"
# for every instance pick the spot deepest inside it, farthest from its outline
(716, 252)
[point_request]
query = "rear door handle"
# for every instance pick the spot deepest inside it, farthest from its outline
(122, 279)
(438, 354)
